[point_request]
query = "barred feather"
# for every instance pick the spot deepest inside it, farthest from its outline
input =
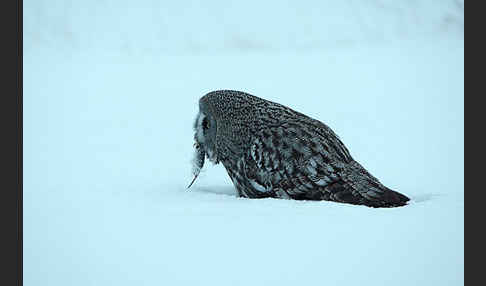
(270, 150)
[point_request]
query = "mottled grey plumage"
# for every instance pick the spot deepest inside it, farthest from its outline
(270, 150)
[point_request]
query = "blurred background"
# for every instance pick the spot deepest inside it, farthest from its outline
(111, 89)
(202, 27)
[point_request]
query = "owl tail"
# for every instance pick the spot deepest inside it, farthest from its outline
(371, 192)
(390, 198)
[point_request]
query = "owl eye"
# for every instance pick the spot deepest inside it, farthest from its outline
(205, 123)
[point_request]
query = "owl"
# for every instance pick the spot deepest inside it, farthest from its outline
(272, 151)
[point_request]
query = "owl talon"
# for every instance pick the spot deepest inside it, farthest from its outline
(192, 182)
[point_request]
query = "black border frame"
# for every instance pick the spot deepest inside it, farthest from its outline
(11, 101)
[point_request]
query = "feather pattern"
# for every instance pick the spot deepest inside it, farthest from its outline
(270, 150)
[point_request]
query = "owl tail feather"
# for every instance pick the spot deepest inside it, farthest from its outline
(389, 198)
(371, 197)
(358, 186)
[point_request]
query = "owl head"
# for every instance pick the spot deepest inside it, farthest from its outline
(205, 128)
(221, 125)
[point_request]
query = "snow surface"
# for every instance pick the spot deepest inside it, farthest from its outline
(110, 95)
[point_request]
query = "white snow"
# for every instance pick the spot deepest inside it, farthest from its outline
(111, 90)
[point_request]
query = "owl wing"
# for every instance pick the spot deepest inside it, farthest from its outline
(310, 162)
(290, 160)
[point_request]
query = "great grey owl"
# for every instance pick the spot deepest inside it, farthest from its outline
(270, 150)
